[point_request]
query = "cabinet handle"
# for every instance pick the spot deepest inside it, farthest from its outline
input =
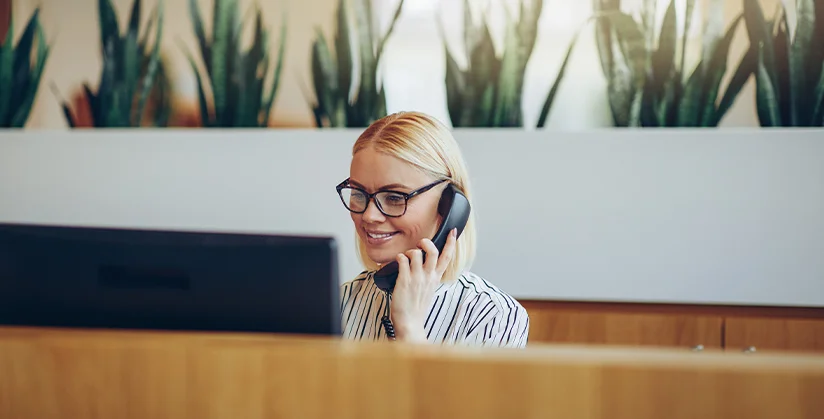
(749, 349)
(698, 348)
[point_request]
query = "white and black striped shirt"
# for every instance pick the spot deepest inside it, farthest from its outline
(468, 311)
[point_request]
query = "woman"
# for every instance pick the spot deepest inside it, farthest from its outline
(410, 158)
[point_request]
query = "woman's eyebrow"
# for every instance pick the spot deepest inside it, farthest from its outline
(384, 187)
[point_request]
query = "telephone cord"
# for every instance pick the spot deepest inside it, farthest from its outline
(387, 323)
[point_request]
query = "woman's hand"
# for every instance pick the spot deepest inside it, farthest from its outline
(416, 285)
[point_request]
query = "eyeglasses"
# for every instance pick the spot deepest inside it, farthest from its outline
(389, 203)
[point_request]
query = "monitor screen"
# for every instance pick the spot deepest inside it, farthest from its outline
(72, 276)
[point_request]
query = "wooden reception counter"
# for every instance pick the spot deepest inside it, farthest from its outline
(74, 374)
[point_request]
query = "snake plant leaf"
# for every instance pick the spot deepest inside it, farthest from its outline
(223, 15)
(504, 115)
(343, 50)
(276, 76)
(714, 73)
(206, 118)
(527, 30)
(690, 7)
(712, 32)
(109, 29)
(690, 107)
(106, 85)
(152, 68)
(455, 85)
(21, 67)
(663, 59)
(746, 68)
(766, 98)
(758, 30)
(21, 115)
(324, 74)
(200, 33)
(6, 72)
(482, 57)
(627, 76)
(816, 51)
(550, 98)
(472, 32)
(781, 47)
(363, 29)
(131, 56)
(817, 119)
(663, 77)
(603, 32)
(804, 30)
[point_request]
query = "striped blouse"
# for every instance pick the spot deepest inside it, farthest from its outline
(467, 311)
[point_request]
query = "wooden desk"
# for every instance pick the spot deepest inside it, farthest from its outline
(47, 373)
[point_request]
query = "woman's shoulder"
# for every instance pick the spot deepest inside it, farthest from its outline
(483, 288)
(363, 279)
(501, 319)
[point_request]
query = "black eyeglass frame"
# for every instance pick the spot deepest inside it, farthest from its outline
(371, 196)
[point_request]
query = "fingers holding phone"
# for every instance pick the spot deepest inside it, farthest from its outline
(416, 285)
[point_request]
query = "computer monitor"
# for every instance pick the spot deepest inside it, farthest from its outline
(87, 277)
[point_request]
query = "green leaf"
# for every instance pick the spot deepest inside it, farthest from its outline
(550, 98)
(22, 63)
(691, 106)
(714, 74)
(224, 12)
(151, 70)
(687, 23)
(713, 32)
(527, 29)
(68, 114)
(804, 29)
(627, 76)
(781, 46)
(663, 60)
(343, 51)
(270, 100)
(759, 34)
(6, 67)
(766, 99)
(107, 84)
(603, 33)
(817, 119)
(197, 22)
(324, 73)
(363, 27)
(746, 67)
(816, 51)
(132, 62)
(24, 109)
(635, 109)
(472, 32)
(205, 113)
(506, 113)
(455, 86)
(109, 29)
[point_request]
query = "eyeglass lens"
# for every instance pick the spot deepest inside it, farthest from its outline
(392, 204)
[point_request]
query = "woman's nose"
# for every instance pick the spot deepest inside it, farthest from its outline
(372, 212)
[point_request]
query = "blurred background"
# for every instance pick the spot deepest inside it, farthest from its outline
(508, 85)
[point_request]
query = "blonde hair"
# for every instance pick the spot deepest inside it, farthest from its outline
(427, 144)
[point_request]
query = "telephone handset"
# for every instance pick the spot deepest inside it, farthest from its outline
(454, 208)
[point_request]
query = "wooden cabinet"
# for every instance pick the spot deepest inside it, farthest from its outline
(610, 326)
(677, 325)
(764, 333)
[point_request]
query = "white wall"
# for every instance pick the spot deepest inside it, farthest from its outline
(675, 216)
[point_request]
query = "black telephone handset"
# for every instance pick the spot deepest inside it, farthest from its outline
(454, 208)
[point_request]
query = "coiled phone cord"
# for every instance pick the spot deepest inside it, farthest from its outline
(387, 323)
